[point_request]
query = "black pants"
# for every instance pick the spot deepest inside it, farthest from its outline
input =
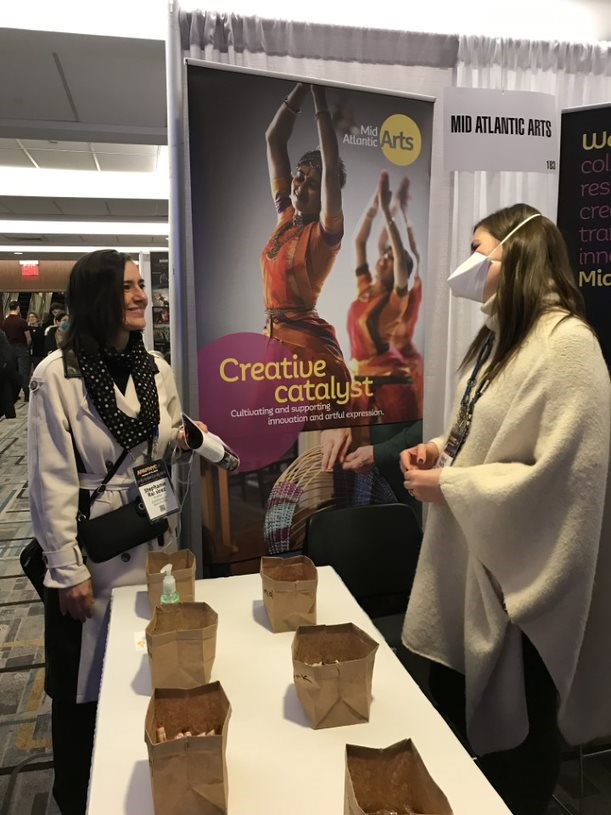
(72, 728)
(524, 777)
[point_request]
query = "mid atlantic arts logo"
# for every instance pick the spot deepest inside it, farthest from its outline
(398, 137)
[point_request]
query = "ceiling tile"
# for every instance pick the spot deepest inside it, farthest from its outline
(102, 240)
(33, 207)
(130, 163)
(46, 144)
(14, 158)
(127, 208)
(133, 69)
(12, 144)
(60, 160)
(18, 238)
(39, 92)
(125, 149)
(82, 207)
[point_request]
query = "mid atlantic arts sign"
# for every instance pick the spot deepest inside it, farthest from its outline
(500, 130)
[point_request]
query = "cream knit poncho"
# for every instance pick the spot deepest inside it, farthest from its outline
(523, 543)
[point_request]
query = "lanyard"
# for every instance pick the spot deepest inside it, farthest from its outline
(461, 427)
(467, 403)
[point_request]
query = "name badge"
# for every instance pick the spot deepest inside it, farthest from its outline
(156, 490)
(445, 460)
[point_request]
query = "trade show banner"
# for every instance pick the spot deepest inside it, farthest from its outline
(584, 210)
(307, 290)
(486, 129)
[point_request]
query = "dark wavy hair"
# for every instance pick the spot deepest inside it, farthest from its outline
(535, 264)
(313, 158)
(95, 300)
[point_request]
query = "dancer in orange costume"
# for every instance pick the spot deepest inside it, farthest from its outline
(302, 249)
(380, 308)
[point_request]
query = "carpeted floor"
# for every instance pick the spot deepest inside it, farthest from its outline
(25, 725)
(26, 772)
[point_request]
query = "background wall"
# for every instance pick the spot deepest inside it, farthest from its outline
(573, 20)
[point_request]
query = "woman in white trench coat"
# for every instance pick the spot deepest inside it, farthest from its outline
(102, 393)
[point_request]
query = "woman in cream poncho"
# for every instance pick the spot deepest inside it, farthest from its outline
(512, 597)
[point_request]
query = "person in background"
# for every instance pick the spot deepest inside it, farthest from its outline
(101, 394)
(37, 333)
(510, 601)
(9, 379)
(51, 336)
(60, 334)
(54, 308)
(18, 335)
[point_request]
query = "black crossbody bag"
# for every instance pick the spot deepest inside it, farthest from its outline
(101, 538)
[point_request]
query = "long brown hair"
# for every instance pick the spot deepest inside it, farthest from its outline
(95, 300)
(535, 264)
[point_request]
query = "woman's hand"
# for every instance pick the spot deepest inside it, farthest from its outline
(420, 457)
(334, 445)
(384, 194)
(360, 460)
(181, 440)
(77, 601)
(296, 96)
(372, 209)
(403, 195)
(424, 485)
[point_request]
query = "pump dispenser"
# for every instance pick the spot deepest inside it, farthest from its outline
(169, 594)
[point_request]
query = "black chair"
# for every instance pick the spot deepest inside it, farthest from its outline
(374, 549)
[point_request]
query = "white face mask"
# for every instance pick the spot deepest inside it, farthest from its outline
(469, 279)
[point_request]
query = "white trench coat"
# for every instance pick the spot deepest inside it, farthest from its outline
(59, 407)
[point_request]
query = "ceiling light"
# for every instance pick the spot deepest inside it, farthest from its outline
(80, 250)
(37, 182)
(83, 228)
(145, 19)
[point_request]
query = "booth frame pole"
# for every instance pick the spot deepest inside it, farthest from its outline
(182, 306)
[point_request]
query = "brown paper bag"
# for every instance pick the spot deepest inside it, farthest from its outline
(332, 670)
(189, 774)
(390, 781)
(183, 569)
(289, 591)
(181, 644)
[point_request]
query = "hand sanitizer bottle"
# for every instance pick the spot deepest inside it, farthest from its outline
(169, 594)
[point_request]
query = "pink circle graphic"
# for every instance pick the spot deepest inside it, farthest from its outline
(243, 382)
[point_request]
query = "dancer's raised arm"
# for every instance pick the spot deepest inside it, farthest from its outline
(279, 132)
(330, 192)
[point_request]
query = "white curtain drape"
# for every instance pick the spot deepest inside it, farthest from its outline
(577, 75)
(423, 64)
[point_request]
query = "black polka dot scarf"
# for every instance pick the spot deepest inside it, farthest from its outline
(128, 431)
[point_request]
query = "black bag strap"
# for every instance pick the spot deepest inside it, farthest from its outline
(85, 500)
(97, 492)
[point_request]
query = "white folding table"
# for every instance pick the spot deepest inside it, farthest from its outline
(277, 764)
